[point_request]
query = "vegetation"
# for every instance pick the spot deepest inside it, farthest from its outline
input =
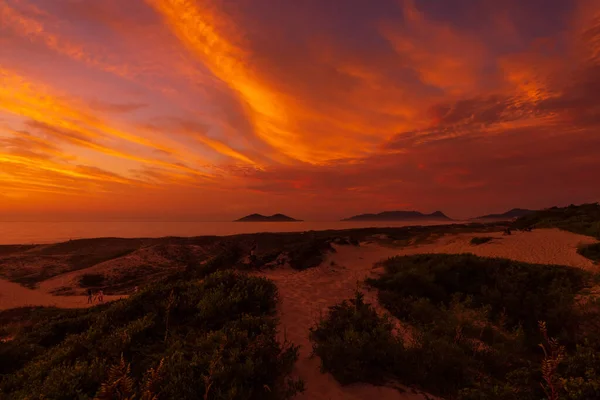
(354, 343)
(91, 280)
(29, 265)
(477, 240)
(583, 219)
(309, 254)
(520, 293)
(15, 321)
(471, 330)
(183, 340)
(591, 251)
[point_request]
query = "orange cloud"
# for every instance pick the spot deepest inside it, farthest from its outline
(25, 99)
(228, 106)
(441, 55)
(198, 29)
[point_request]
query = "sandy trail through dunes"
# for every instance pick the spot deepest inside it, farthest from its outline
(13, 295)
(305, 295)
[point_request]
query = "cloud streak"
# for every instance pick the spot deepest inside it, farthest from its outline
(218, 107)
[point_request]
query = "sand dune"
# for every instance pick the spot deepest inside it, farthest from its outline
(306, 295)
(13, 295)
(542, 246)
(144, 264)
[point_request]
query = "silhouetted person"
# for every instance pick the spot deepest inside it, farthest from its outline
(253, 254)
(90, 296)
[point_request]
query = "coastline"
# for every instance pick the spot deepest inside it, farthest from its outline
(18, 233)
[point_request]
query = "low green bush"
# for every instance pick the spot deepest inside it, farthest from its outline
(91, 280)
(215, 337)
(583, 219)
(355, 344)
(591, 251)
(520, 293)
(474, 330)
(227, 257)
(309, 253)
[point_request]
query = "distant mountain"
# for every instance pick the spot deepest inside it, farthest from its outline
(514, 213)
(400, 216)
(266, 218)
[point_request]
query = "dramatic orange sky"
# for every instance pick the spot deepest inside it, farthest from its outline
(320, 109)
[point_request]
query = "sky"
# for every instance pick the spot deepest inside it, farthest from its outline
(214, 109)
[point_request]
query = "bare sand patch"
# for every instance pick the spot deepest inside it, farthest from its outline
(13, 295)
(542, 246)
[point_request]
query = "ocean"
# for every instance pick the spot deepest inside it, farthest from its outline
(52, 232)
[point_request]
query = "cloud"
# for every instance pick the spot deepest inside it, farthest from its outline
(441, 55)
(229, 106)
(69, 122)
(116, 107)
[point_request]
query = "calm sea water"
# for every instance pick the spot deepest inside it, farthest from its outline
(49, 232)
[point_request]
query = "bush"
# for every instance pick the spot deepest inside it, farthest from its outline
(91, 280)
(480, 240)
(581, 373)
(521, 293)
(474, 328)
(355, 344)
(309, 254)
(227, 258)
(217, 336)
(591, 251)
(583, 219)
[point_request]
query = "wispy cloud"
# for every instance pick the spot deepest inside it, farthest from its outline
(214, 107)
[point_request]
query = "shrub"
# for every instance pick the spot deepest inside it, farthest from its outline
(474, 328)
(91, 280)
(355, 344)
(309, 254)
(521, 293)
(226, 258)
(580, 373)
(480, 240)
(217, 336)
(583, 219)
(591, 251)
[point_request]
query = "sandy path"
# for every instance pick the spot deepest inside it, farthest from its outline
(542, 246)
(307, 294)
(13, 295)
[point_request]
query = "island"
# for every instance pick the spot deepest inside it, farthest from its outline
(400, 216)
(514, 213)
(266, 218)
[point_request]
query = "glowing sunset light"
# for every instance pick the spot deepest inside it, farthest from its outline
(212, 109)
